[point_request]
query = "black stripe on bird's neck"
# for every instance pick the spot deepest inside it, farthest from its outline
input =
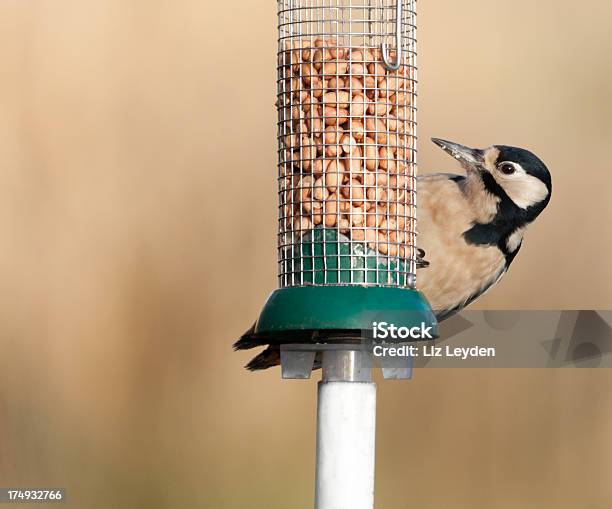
(508, 219)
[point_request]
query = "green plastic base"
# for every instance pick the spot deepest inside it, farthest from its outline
(308, 309)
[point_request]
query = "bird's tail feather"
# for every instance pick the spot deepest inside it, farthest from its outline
(247, 341)
(268, 358)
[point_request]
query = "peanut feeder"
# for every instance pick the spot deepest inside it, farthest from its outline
(347, 217)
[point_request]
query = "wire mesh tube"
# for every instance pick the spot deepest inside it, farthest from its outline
(347, 138)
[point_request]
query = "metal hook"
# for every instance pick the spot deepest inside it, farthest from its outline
(398, 41)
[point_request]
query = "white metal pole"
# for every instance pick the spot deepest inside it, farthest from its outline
(346, 431)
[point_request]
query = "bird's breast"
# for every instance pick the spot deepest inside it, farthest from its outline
(458, 270)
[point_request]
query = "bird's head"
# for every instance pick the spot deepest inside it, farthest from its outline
(517, 179)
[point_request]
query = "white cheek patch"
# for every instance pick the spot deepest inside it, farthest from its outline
(524, 190)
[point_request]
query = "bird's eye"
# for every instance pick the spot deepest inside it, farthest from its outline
(507, 168)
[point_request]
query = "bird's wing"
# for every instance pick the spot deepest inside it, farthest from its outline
(422, 262)
(442, 315)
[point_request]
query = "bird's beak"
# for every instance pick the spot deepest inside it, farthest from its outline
(470, 158)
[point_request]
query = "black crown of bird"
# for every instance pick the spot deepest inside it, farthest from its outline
(471, 228)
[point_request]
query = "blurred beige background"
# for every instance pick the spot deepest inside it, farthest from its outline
(137, 216)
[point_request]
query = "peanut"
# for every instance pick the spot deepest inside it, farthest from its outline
(338, 53)
(331, 212)
(382, 179)
(320, 193)
(319, 166)
(371, 237)
(378, 108)
(357, 130)
(333, 68)
(387, 161)
(369, 179)
(320, 56)
(356, 56)
(331, 150)
(376, 69)
(301, 224)
(357, 107)
(376, 129)
(333, 175)
(370, 83)
(353, 165)
(392, 123)
(356, 69)
(371, 153)
(376, 194)
(339, 98)
(314, 124)
(354, 192)
(374, 217)
(388, 224)
(355, 84)
(349, 144)
(336, 82)
(357, 216)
